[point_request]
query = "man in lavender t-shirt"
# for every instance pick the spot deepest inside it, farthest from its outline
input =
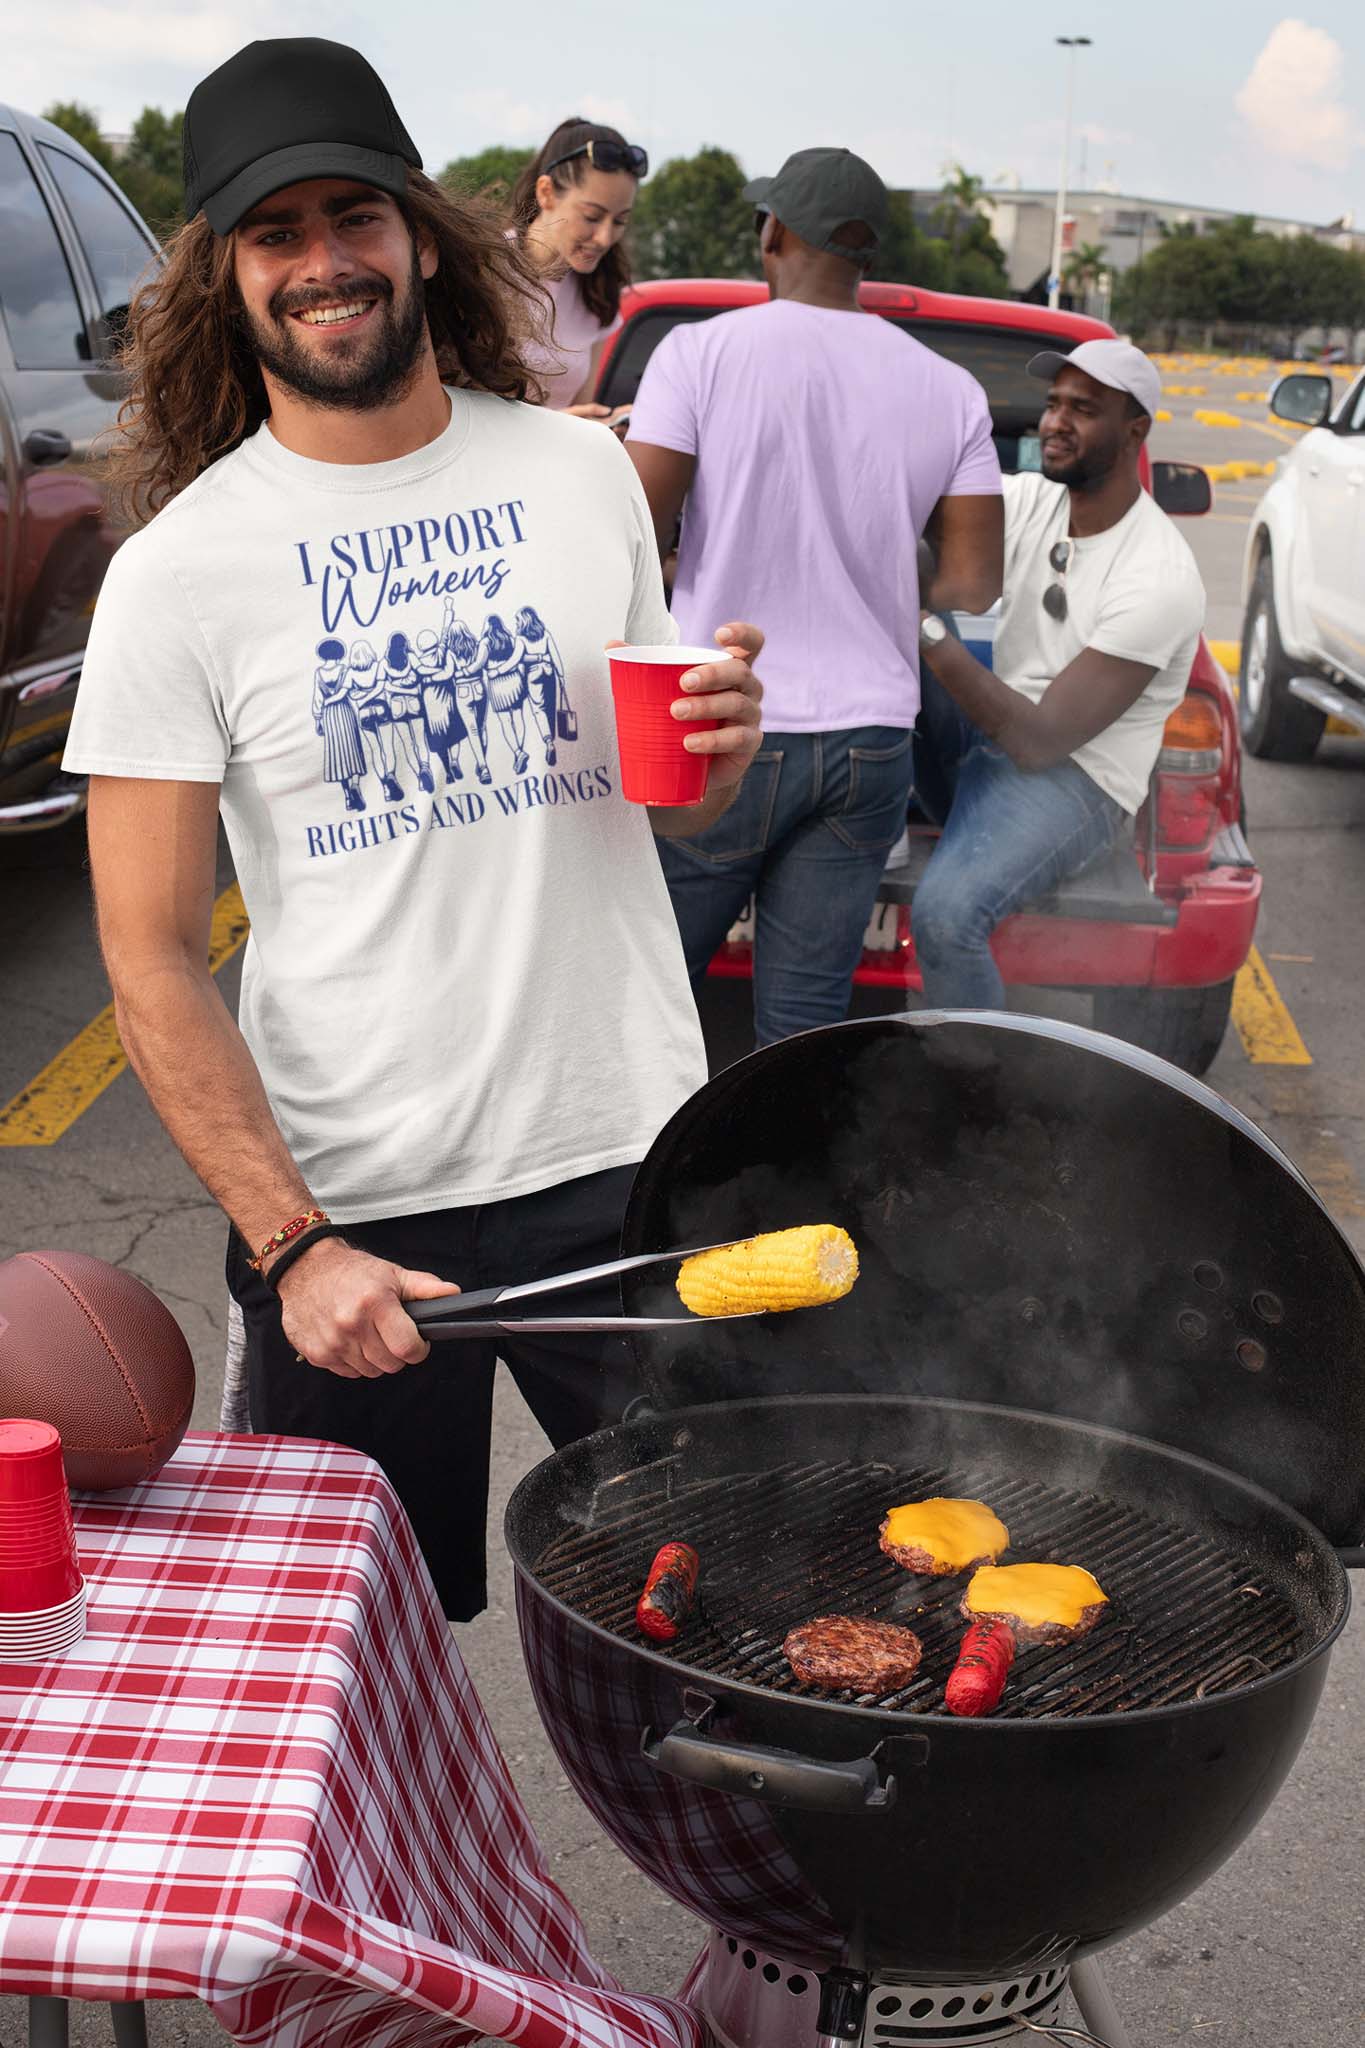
(814, 446)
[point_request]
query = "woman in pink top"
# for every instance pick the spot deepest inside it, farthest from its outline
(571, 207)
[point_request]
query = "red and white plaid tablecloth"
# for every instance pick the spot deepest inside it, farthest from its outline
(264, 1779)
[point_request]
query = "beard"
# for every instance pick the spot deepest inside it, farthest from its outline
(360, 374)
(1082, 471)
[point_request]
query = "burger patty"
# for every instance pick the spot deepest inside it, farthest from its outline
(837, 1651)
(925, 1562)
(1026, 1634)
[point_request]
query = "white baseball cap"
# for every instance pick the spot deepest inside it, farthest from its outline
(1115, 363)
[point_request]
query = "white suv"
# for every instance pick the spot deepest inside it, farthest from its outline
(1303, 628)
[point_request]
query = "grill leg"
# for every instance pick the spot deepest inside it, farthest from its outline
(47, 2023)
(1098, 2010)
(130, 2024)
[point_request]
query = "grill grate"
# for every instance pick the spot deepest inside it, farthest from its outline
(1187, 1618)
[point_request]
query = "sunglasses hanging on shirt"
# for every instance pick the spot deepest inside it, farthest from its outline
(608, 156)
(1054, 597)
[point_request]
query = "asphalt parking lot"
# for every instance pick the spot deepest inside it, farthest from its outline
(1269, 1953)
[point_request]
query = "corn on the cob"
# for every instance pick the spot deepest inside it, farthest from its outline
(781, 1269)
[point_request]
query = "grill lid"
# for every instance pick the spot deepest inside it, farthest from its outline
(1046, 1219)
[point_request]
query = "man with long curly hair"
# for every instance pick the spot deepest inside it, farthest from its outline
(464, 1011)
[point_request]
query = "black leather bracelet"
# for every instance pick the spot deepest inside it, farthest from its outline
(295, 1250)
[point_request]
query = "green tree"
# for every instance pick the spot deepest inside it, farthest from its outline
(1235, 276)
(973, 263)
(905, 254)
(691, 220)
(83, 125)
(491, 174)
(959, 205)
(150, 169)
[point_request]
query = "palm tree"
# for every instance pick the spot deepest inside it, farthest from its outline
(1084, 267)
(961, 199)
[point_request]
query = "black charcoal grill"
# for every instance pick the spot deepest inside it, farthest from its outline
(1092, 1295)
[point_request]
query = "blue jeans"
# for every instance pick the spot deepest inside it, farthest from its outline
(807, 837)
(1009, 837)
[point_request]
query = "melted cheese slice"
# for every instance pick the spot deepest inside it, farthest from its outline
(1040, 1595)
(955, 1532)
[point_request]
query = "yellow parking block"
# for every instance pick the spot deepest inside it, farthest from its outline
(1253, 397)
(68, 1084)
(1163, 416)
(1208, 417)
(1268, 1033)
(1237, 470)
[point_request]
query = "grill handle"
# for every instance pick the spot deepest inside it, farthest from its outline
(777, 1777)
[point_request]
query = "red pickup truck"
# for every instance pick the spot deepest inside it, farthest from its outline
(1157, 929)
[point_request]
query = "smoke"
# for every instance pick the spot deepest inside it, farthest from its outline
(1040, 1226)
(1293, 100)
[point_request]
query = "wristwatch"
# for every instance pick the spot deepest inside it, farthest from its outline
(932, 631)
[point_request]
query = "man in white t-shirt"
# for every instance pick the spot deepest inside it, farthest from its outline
(1034, 769)
(464, 1011)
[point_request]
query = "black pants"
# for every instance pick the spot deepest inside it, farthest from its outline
(429, 1425)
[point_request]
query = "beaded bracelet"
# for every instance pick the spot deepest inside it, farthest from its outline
(295, 1249)
(286, 1233)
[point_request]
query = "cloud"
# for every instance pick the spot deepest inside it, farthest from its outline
(168, 35)
(1293, 99)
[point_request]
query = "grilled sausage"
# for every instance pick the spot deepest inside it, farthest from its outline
(838, 1652)
(666, 1602)
(983, 1663)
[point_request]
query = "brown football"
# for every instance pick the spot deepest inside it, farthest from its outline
(89, 1349)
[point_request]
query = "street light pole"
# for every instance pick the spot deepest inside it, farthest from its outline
(1054, 283)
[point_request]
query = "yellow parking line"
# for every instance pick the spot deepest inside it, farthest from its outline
(1268, 1033)
(68, 1084)
(1276, 433)
(1228, 654)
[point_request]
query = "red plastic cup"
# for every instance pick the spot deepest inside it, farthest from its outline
(656, 768)
(38, 1565)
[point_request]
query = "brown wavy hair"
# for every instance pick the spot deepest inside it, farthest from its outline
(196, 387)
(601, 288)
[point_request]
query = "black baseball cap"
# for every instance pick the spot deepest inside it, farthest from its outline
(819, 191)
(281, 111)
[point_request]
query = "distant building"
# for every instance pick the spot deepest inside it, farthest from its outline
(1124, 226)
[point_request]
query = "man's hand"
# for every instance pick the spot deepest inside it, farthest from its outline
(727, 690)
(343, 1310)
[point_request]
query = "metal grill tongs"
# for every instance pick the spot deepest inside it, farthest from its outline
(469, 1315)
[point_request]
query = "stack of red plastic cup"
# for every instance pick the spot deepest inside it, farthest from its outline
(656, 768)
(42, 1593)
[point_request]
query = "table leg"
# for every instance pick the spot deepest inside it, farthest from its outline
(1097, 2008)
(130, 2024)
(47, 2023)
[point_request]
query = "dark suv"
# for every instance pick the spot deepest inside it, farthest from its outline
(71, 249)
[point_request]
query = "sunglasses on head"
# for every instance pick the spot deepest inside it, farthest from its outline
(608, 156)
(760, 219)
(1059, 560)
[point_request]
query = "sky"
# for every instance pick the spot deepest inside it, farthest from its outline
(1213, 104)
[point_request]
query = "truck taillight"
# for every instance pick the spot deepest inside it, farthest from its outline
(1192, 743)
(1188, 770)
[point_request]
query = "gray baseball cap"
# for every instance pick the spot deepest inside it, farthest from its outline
(1115, 363)
(819, 191)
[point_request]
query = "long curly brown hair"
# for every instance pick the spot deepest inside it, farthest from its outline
(601, 288)
(196, 387)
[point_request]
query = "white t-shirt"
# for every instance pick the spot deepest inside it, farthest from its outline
(562, 358)
(1133, 591)
(458, 986)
